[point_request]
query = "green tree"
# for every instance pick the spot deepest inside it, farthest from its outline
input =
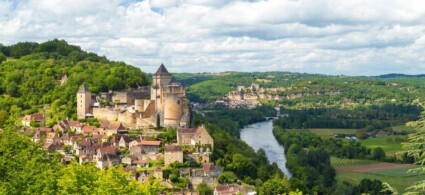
(276, 185)
(378, 153)
(158, 122)
(415, 147)
(2, 57)
(204, 189)
(12, 89)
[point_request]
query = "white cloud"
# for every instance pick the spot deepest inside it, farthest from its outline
(357, 37)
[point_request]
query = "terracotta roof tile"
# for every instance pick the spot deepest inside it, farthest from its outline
(150, 143)
(172, 148)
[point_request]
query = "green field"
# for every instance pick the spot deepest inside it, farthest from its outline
(398, 178)
(403, 128)
(330, 132)
(339, 162)
(390, 144)
(400, 172)
(399, 182)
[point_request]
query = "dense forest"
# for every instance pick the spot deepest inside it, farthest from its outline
(30, 74)
(375, 117)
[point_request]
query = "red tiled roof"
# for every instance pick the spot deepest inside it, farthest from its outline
(88, 129)
(108, 150)
(209, 167)
(34, 117)
(172, 148)
(150, 143)
(115, 126)
(75, 123)
(104, 124)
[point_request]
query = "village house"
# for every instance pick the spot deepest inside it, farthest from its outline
(52, 138)
(75, 126)
(207, 170)
(144, 176)
(106, 156)
(123, 141)
(40, 133)
(150, 146)
(62, 126)
(39, 118)
(88, 130)
(172, 153)
(194, 137)
(50, 147)
(136, 161)
(136, 150)
(233, 189)
(135, 142)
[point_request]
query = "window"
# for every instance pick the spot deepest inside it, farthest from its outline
(178, 102)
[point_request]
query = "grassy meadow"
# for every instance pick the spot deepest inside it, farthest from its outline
(397, 178)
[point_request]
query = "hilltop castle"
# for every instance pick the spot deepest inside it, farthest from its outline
(133, 108)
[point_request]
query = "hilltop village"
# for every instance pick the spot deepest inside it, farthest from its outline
(251, 96)
(165, 148)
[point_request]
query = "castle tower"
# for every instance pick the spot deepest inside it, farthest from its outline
(83, 101)
(173, 108)
(161, 78)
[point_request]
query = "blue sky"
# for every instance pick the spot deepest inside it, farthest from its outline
(356, 37)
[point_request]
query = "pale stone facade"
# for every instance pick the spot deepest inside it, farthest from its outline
(172, 154)
(194, 136)
(132, 109)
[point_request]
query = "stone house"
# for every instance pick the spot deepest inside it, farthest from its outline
(88, 129)
(40, 133)
(106, 156)
(40, 118)
(62, 126)
(144, 176)
(172, 153)
(75, 126)
(123, 140)
(52, 138)
(194, 136)
(150, 146)
(129, 160)
(136, 150)
(233, 189)
(50, 147)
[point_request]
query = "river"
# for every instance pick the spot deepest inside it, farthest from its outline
(260, 135)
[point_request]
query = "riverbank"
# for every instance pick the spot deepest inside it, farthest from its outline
(260, 135)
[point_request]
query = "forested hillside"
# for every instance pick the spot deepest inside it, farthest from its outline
(30, 76)
(348, 91)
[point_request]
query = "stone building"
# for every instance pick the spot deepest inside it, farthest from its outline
(172, 154)
(132, 108)
(195, 137)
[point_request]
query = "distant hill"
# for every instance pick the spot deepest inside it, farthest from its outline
(30, 75)
(351, 91)
(396, 75)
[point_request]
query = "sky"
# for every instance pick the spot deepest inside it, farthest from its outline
(349, 37)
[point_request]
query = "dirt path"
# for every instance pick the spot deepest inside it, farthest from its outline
(373, 167)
